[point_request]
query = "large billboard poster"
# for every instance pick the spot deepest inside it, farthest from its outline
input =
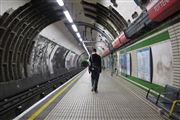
(125, 63)
(69, 60)
(128, 63)
(144, 64)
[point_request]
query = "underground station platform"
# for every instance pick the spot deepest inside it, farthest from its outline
(117, 99)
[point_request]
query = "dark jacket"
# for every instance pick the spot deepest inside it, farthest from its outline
(95, 63)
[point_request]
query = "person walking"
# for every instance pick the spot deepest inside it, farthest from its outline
(95, 69)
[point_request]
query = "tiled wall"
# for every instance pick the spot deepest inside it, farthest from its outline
(174, 32)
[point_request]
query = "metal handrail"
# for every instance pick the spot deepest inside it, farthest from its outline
(173, 106)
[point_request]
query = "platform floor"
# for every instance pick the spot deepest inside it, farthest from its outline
(114, 101)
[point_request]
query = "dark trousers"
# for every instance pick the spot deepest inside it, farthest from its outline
(94, 80)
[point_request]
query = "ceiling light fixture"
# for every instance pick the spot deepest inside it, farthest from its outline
(78, 35)
(60, 2)
(74, 28)
(80, 39)
(68, 16)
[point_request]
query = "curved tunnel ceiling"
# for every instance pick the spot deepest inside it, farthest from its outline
(102, 15)
(49, 8)
(107, 41)
(110, 19)
(19, 29)
(94, 28)
(38, 14)
(103, 23)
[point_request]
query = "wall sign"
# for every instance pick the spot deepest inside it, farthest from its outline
(144, 64)
(125, 63)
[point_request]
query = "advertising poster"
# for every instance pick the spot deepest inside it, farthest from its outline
(69, 60)
(128, 64)
(125, 63)
(144, 64)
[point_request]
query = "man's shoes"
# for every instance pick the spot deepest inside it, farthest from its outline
(96, 91)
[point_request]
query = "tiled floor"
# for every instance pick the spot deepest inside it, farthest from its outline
(113, 102)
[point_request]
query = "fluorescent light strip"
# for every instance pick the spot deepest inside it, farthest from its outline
(68, 16)
(78, 35)
(86, 49)
(87, 52)
(80, 39)
(74, 28)
(60, 2)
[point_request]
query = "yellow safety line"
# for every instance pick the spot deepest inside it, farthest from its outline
(33, 116)
(172, 107)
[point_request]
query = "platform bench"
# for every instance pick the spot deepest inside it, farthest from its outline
(168, 100)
